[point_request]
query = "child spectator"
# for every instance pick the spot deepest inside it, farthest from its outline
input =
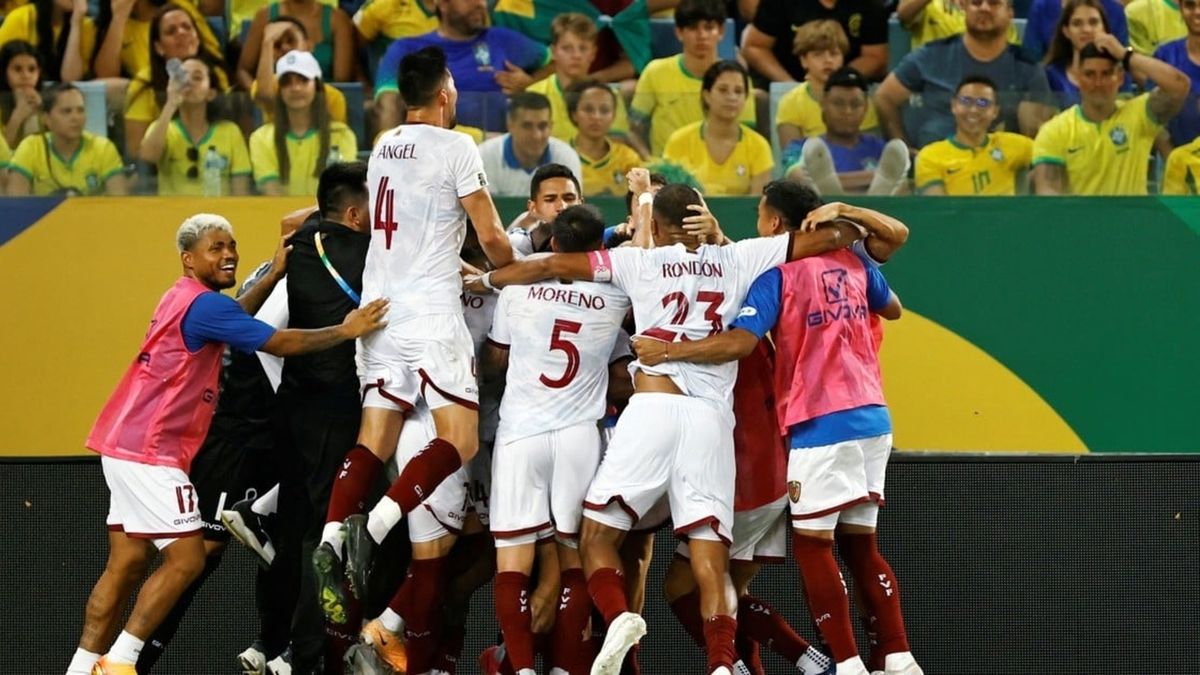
(289, 154)
(284, 35)
(20, 102)
(187, 136)
(329, 31)
(592, 107)
(667, 94)
(62, 32)
(1079, 24)
(821, 46)
(66, 160)
(124, 36)
(726, 156)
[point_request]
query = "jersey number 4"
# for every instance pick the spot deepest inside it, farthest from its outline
(560, 344)
(385, 218)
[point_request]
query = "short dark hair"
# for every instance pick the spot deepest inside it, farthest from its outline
(1091, 51)
(547, 171)
(422, 74)
(672, 202)
(50, 94)
(527, 100)
(794, 201)
(846, 77)
(341, 185)
(689, 13)
(977, 79)
(717, 70)
(655, 179)
(579, 228)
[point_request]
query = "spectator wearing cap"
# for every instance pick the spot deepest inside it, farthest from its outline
(282, 36)
(767, 45)
(1102, 146)
(936, 69)
(1184, 54)
(510, 160)
(844, 159)
(724, 155)
(974, 161)
(328, 31)
(289, 153)
(1041, 25)
(487, 63)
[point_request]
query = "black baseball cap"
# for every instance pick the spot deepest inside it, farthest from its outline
(846, 77)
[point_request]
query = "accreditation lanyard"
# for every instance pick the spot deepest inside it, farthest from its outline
(333, 272)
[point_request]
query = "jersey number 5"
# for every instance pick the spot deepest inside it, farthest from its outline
(558, 343)
(384, 214)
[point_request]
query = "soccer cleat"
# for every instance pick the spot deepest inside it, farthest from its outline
(491, 660)
(282, 664)
(253, 661)
(852, 666)
(901, 663)
(623, 633)
(247, 527)
(388, 646)
(330, 576)
(106, 667)
(740, 668)
(359, 546)
(816, 662)
(722, 670)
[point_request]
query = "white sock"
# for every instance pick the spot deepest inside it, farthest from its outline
(813, 662)
(82, 662)
(852, 666)
(383, 518)
(391, 620)
(268, 503)
(126, 648)
(335, 536)
(527, 671)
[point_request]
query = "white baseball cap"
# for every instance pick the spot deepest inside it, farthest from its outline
(301, 63)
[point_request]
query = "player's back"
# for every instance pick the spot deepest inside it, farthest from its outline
(561, 338)
(689, 295)
(416, 176)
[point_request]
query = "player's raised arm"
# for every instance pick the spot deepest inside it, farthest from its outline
(885, 234)
(577, 266)
(488, 228)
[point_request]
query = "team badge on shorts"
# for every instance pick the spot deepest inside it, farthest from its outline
(794, 490)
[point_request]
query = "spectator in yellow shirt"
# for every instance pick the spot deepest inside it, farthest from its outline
(66, 160)
(1182, 174)
(124, 35)
(1102, 146)
(174, 34)
(572, 50)
(286, 34)
(821, 46)
(289, 154)
(5, 156)
(20, 102)
(974, 161)
(62, 32)
(592, 106)
(1153, 23)
(187, 135)
(395, 19)
(727, 157)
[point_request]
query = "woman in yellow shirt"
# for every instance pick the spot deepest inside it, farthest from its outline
(289, 154)
(60, 30)
(724, 155)
(183, 145)
(123, 29)
(174, 34)
(20, 102)
(592, 107)
(66, 160)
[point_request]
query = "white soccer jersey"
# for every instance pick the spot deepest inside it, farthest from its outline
(561, 338)
(478, 311)
(416, 175)
(681, 295)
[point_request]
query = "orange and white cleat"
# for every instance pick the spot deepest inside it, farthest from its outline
(106, 667)
(388, 646)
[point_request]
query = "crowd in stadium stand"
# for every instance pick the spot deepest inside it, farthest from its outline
(957, 97)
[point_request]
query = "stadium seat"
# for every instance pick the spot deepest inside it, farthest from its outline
(95, 101)
(664, 43)
(355, 110)
(777, 92)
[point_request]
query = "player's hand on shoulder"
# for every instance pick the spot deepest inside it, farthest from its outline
(279, 261)
(367, 319)
(650, 351)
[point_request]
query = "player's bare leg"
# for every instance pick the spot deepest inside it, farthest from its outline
(602, 564)
(718, 601)
(880, 592)
(406, 635)
(127, 561)
(636, 553)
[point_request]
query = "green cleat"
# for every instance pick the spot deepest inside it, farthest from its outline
(330, 576)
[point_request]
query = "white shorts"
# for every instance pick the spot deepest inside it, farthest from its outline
(832, 478)
(539, 483)
(674, 445)
(759, 535)
(431, 358)
(150, 502)
(444, 511)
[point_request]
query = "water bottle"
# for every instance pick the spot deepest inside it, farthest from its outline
(333, 157)
(214, 168)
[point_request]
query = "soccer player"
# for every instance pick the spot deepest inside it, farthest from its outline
(675, 437)
(424, 181)
(552, 189)
(556, 340)
(974, 161)
(829, 399)
(154, 423)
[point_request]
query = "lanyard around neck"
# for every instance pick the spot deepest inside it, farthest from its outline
(333, 272)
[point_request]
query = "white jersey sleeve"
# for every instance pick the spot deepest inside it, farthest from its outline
(621, 348)
(758, 255)
(560, 338)
(500, 333)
